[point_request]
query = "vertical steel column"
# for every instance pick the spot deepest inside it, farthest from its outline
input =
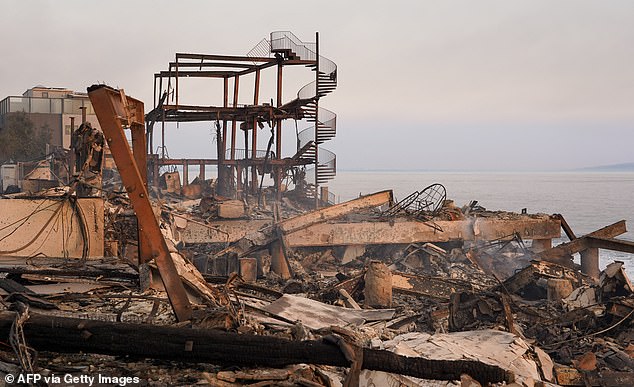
(225, 103)
(185, 173)
(176, 81)
(162, 133)
(278, 135)
(72, 161)
(236, 85)
(234, 171)
(254, 139)
(155, 169)
(222, 141)
(317, 121)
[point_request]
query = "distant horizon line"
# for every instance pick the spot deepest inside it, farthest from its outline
(629, 167)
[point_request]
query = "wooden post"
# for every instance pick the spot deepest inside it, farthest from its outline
(201, 172)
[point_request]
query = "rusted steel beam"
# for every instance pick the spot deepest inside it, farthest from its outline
(192, 161)
(278, 136)
(212, 113)
(325, 214)
(254, 135)
(224, 57)
(196, 74)
(139, 149)
(213, 64)
(114, 110)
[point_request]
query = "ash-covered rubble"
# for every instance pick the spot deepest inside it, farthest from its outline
(483, 312)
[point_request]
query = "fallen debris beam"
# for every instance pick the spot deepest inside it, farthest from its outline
(417, 285)
(261, 238)
(537, 269)
(364, 233)
(62, 334)
(405, 232)
(565, 250)
(113, 110)
(611, 244)
(325, 214)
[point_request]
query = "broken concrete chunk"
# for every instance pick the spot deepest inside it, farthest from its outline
(231, 209)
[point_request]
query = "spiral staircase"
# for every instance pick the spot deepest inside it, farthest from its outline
(323, 122)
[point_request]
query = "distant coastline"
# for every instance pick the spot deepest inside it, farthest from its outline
(625, 167)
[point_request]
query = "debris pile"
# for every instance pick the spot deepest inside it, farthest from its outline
(192, 288)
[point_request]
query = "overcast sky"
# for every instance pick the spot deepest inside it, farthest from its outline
(496, 85)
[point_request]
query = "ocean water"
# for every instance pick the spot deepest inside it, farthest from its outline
(587, 200)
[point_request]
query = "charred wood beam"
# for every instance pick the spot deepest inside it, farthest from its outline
(63, 334)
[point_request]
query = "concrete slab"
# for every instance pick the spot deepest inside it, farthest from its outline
(50, 227)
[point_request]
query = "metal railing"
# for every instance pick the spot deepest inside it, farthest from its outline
(45, 105)
(262, 50)
(327, 122)
(286, 40)
(325, 125)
